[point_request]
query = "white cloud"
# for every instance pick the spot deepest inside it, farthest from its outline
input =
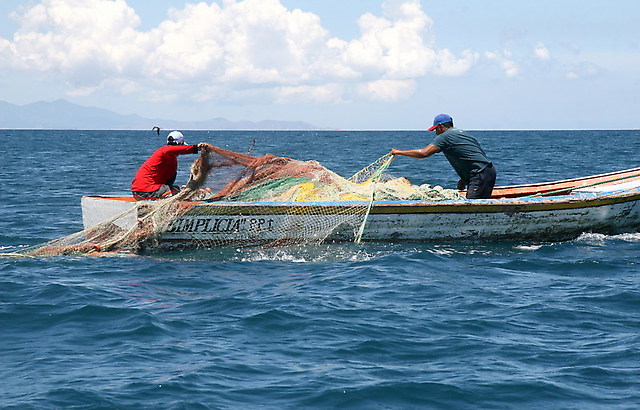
(510, 68)
(450, 65)
(393, 48)
(325, 93)
(80, 39)
(209, 51)
(388, 90)
(541, 52)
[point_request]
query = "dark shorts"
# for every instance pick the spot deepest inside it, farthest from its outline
(165, 191)
(481, 184)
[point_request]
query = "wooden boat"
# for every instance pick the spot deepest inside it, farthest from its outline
(607, 203)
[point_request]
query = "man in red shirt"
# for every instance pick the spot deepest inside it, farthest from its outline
(156, 177)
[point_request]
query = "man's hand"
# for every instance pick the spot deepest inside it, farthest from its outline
(417, 153)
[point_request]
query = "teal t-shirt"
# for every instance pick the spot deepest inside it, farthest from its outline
(463, 152)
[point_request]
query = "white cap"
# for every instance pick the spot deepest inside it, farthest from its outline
(175, 137)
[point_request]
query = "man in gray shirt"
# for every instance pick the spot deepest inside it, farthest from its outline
(465, 155)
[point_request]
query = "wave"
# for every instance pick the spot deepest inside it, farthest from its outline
(598, 238)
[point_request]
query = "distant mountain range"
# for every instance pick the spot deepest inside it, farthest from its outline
(62, 114)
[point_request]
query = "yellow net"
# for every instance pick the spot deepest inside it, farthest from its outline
(235, 199)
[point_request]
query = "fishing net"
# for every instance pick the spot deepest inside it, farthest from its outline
(242, 200)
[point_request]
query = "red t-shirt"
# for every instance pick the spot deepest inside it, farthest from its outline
(161, 168)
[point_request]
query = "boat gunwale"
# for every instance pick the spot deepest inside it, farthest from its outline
(547, 188)
(572, 201)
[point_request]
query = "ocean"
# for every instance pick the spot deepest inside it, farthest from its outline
(504, 325)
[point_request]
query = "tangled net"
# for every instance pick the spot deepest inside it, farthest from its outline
(311, 203)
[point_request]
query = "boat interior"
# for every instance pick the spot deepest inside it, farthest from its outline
(567, 186)
(602, 182)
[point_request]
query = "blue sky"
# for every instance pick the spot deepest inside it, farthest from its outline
(357, 64)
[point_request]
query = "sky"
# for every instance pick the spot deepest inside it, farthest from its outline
(339, 64)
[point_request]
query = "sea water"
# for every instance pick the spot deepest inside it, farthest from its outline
(515, 324)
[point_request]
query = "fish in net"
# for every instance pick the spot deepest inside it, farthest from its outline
(246, 201)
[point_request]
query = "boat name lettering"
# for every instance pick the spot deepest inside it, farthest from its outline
(221, 224)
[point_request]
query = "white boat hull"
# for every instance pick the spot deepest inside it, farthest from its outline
(545, 218)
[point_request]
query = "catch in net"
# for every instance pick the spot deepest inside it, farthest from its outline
(305, 202)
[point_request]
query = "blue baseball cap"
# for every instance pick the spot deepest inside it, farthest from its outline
(440, 119)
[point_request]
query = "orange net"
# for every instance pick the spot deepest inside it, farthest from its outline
(242, 200)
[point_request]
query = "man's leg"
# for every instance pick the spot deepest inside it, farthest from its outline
(482, 183)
